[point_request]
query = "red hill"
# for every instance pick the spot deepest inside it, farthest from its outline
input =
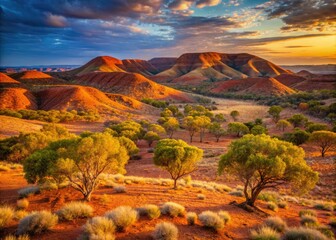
(4, 79)
(77, 98)
(163, 63)
(258, 86)
(193, 68)
(99, 64)
(131, 84)
(110, 64)
(32, 74)
(17, 98)
(139, 66)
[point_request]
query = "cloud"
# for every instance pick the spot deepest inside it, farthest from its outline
(182, 5)
(303, 14)
(296, 46)
(55, 20)
(207, 3)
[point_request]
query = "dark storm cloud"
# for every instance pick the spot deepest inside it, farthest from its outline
(303, 14)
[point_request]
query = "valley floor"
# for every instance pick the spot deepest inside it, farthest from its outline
(139, 194)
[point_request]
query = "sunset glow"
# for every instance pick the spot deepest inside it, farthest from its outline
(72, 31)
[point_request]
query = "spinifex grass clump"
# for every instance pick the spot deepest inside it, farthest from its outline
(98, 228)
(172, 209)
(37, 222)
(122, 217)
(165, 231)
(75, 210)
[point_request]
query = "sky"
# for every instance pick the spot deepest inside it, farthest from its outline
(47, 32)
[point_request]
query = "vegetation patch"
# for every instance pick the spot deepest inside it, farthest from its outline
(73, 210)
(98, 228)
(37, 222)
(122, 217)
(165, 231)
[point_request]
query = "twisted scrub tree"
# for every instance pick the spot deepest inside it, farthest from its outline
(275, 111)
(190, 124)
(325, 140)
(176, 157)
(203, 123)
(171, 126)
(79, 160)
(216, 129)
(262, 162)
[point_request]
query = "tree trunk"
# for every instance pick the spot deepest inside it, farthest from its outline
(217, 139)
(322, 152)
(87, 196)
(175, 184)
(191, 137)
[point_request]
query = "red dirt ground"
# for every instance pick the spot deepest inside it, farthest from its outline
(137, 195)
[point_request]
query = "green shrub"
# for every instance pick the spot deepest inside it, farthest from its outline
(6, 215)
(98, 228)
(303, 233)
(326, 231)
(27, 191)
(191, 218)
(48, 186)
(268, 196)
(324, 206)
(265, 233)
(225, 216)
(165, 231)
(309, 221)
(283, 204)
(276, 223)
(150, 210)
(37, 222)
(237, 193)
(123, 217)
(307, 212)
(12, 237)
(73, 210)
(211, 219)
(172, 209)
(22, 203)
(272, 206)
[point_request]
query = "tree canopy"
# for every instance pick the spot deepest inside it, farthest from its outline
(262, 162)
(176, 157)
(78, 160)
(171, 125)
(325, 140)
(298, 120)
(238, 128)
(216, 129)
(275, 111)
(191, 125)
